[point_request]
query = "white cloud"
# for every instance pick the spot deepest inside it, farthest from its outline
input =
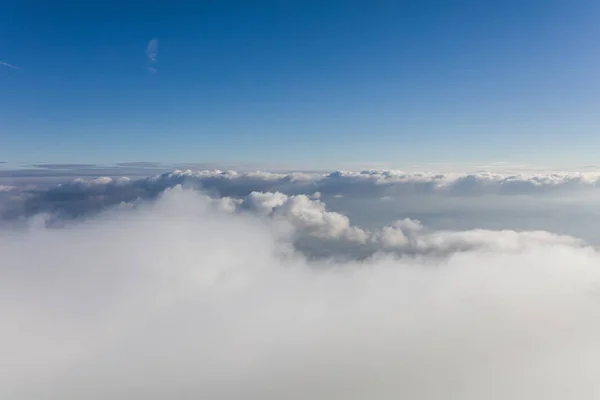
(447, 202)
(388, 182)
(184, 297)
(331, 234)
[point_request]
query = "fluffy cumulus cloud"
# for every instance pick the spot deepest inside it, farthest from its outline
(223, 285)
(319, 232)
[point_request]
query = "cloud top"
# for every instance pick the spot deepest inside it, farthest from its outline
(83, 195)
(201, 296)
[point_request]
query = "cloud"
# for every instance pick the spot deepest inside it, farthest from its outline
(199, 296)
(140, 164)
(390, 182)
(5, 64)
(83, 196)
(370, 183)
(152, 53)
(89, 195)
(152, 50)
(66, 166)
(316, 231)
(319, 232)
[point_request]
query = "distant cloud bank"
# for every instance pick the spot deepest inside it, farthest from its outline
(371, 183)
(298, 199)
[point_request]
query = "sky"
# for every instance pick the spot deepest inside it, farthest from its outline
(300, 82)
(144, 254)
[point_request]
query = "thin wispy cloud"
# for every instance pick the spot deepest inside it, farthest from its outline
(152, 50)
(5, 64)
(151, 54)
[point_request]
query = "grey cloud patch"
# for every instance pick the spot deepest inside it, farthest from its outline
(141, 164)
(73, 171)
(66, 166)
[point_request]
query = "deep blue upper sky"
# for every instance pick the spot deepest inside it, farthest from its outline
(304, 82)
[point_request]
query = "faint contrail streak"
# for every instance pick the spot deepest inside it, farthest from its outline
(4, 63)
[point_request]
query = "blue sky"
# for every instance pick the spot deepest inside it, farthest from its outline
(301, 82)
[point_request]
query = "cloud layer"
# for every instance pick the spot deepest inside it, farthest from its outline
(318, 231)
(81, 196)
(385, 182)
(226, 285)
(193, 296)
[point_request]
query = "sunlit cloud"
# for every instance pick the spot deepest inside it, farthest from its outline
(225, 285)
(202, 297)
